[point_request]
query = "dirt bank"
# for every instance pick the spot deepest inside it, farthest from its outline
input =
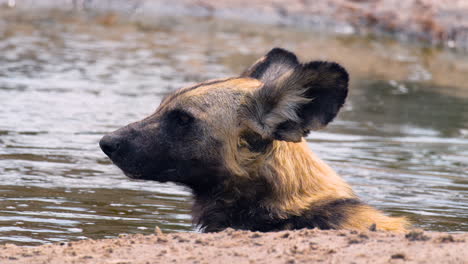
(439, 22)
(363, 57)
(303, 246)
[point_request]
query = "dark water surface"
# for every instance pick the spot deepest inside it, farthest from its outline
(401, 140)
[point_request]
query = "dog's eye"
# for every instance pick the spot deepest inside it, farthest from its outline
(184, 119)
(181, 118)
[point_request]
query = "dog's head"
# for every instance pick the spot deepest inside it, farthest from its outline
(196, 135)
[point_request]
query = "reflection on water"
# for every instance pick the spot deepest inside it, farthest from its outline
(401, 139)
(38, 215)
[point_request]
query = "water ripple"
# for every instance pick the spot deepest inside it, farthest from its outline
(401, 144)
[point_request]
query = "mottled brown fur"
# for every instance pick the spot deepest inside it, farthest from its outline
(238, 144)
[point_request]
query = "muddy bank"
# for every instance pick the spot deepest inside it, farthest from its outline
(432, 21)
(303, 246)
(364, 57)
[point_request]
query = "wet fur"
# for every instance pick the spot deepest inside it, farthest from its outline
(289, 188)
(238, 144)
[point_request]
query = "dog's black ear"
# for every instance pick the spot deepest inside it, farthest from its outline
(295, 98)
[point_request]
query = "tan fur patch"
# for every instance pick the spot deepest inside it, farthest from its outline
(301, 181)
(363, 217)
(300, 178)
(233, 84)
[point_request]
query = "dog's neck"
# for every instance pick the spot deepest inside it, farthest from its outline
(287, 181)
(299, 178)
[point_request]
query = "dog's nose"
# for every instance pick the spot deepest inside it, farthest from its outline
(109, 144)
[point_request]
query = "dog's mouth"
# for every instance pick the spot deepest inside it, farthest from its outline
(141, 166)
(154, 173)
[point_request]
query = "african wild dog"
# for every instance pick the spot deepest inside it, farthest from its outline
(238, 144)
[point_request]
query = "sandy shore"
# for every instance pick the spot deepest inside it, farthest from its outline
(302, 246)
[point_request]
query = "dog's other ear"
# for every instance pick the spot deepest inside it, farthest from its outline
(274, 64)
(295, 98)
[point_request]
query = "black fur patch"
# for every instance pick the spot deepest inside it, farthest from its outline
(327, 216)
(255, 142)
(215, 215)
(328, 93)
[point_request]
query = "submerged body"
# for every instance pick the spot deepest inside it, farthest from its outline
(238, 144)
(297, 190)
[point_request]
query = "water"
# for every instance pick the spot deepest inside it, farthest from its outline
(401, 139)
